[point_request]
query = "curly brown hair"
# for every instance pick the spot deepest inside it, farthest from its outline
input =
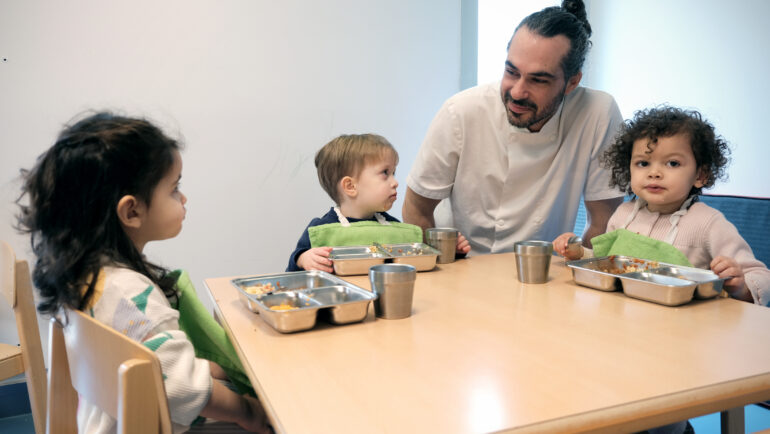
(711, 151)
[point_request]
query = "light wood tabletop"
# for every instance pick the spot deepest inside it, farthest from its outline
(483, 352)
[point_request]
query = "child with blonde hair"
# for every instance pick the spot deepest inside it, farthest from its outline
(358, 172)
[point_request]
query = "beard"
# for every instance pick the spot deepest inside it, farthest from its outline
(526, 120)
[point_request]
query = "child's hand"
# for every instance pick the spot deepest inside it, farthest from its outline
(217, 371)
(726, 267)
(316, 259)
(254, 419)
(463, 245)
(227, 406)
(560, 247)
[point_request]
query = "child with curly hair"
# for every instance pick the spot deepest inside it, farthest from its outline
(664, 157)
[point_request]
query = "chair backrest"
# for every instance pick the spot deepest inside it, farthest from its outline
(750, 215)
(108, 369)
(16, 286)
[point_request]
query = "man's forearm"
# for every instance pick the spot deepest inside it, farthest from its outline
(418, 210)
(591, 231)
(598, 214)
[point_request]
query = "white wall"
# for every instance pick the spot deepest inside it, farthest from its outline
(708, 55)
(497, 20)
(254, 87)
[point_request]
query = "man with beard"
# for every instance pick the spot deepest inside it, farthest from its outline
(515, 157)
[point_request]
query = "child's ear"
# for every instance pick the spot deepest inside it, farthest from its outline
(130, 211)
(348, 186)
(702, 178)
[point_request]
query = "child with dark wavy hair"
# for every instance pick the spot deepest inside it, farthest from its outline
(107, 187)
(664, 157)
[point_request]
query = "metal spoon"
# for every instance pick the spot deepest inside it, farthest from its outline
(575, 246)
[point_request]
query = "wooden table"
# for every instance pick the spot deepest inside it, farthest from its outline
(483, 352)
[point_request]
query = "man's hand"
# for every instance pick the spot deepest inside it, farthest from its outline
(316, 259)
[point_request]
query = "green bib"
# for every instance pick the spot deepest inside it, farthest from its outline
(626, 243)
(363, 233)
(206, 335)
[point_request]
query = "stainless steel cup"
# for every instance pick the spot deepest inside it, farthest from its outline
(394, 286)
(533, 259)
(445, 241)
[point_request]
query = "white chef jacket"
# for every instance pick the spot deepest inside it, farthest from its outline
(508, 184)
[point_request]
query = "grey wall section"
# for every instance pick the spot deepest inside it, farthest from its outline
(253, 87)
(708, 55)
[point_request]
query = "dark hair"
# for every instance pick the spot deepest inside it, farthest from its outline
(569, 20)
(711, 151)
(347, 155)
(73, 192)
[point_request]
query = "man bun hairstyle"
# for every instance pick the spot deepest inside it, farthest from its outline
(570, 20)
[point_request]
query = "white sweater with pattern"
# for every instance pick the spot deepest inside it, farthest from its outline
(131, 304)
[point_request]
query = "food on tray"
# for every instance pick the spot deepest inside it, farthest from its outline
(634, 266)
(282, 306)
(417, 251)
(260, 288)
(265, 288)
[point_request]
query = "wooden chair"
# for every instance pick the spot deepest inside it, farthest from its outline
(120, 375)
(16, 286)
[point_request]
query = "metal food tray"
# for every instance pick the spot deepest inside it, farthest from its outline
(354, 260)
(708, 283)
(658, 288)
(602, 273)
(305, 294)
(351, 260)
(419, 255)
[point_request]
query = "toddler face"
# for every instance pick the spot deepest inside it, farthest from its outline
(664, 176)
(166, 212)
(376, 186)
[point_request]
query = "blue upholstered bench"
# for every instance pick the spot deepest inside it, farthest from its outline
(750, 215)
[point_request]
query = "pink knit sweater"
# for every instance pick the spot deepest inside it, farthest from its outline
(704, 233)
